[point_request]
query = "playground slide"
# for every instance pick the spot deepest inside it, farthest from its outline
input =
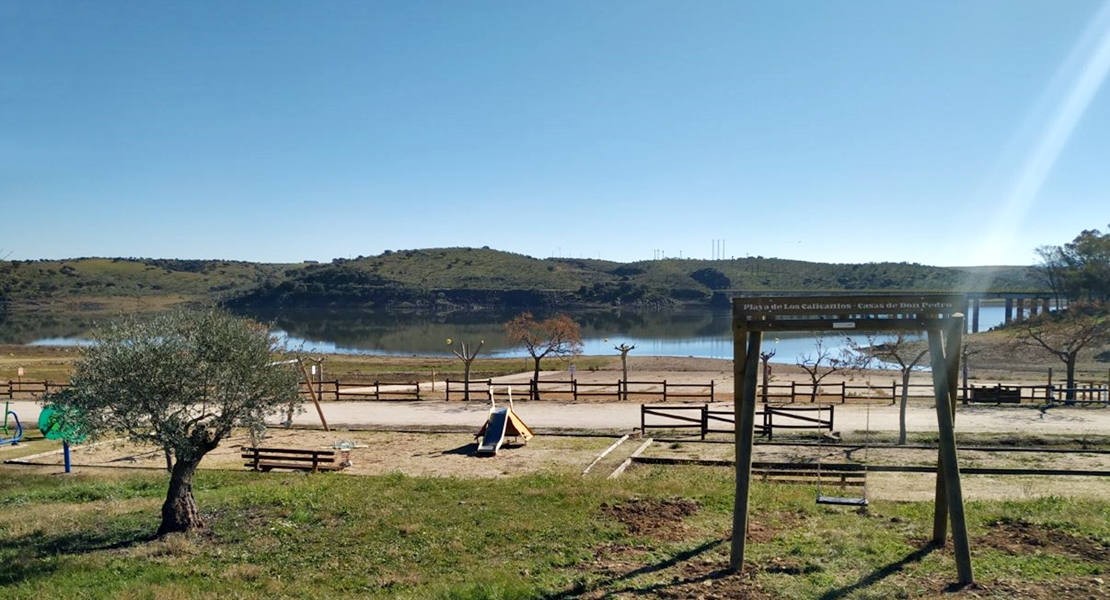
(495, 432)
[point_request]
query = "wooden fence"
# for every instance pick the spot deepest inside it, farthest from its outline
(841, 392)
(1039, 394)
(28, 389)
(656, 391)
(707, 420)
(794, 391)
(475, 389)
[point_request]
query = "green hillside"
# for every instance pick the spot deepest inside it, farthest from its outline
(23, 282)
(465, 278)
(462, 277)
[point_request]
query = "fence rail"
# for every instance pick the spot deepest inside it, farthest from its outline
(842, 392)
(707, 420)
(12, 390)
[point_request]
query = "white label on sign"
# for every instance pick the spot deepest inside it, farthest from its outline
(844, 325)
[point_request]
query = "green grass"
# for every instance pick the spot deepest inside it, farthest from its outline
(540, 536)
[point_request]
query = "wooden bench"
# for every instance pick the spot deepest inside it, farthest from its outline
(997, 394)
(265, 459)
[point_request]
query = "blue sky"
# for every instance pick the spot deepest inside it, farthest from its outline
(945, 133)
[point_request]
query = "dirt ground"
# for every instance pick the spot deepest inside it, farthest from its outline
(452, 455)
(372, 453)
(921, 486)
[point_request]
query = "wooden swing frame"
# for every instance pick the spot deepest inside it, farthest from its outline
(940, 315)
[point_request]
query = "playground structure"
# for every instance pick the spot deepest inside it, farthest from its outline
(939, 315)
(501, 423)
(8, 437)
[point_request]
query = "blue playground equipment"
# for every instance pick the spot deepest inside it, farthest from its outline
(13, 439)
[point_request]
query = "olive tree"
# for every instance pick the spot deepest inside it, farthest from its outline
(181, 381)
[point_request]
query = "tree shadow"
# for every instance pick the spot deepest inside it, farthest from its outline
(880, 574)
(582, 589)
(35, 556)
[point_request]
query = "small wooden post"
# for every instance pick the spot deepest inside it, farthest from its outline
(315, 399)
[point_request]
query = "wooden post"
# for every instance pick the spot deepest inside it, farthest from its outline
(704, 420)
(312, 392)
(975, 315)
(948, 458)
(745, 363)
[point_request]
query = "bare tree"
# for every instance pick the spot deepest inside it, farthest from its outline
(824, 362)
(558, 336)
(1066, 333)
(466, 354)
(766, 356)
(181, 381)
(906, 351)
(624, 349)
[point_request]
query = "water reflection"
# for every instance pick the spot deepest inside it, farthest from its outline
(703, 333)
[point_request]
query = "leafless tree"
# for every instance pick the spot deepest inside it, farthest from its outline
(466, 354)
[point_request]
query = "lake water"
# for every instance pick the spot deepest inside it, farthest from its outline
(701, 333)
(698, 333)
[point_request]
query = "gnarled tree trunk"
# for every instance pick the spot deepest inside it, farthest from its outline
(179, 512)
(536, 378)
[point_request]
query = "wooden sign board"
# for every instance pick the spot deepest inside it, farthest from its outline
(867, 313)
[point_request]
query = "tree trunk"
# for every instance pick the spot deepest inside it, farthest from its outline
(536, 379)
(1070, 362)
(624, 374)
(902, 408)
(179, 513)
(466, 380)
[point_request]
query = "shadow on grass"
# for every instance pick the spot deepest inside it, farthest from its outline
(36, 556)
(880, 574)
(581, 589)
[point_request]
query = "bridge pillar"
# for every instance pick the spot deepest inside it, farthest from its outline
(1034, 307)
(1047, 305)
(974, 315)
(1009, 311)
(1020, 316)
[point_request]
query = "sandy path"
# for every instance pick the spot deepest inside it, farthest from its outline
(921, 417)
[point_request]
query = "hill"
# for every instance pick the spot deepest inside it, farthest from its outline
(99, 282)
(441, 278)
(463, 278)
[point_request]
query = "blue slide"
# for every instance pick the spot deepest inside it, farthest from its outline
(18, 429)
(495, 432)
